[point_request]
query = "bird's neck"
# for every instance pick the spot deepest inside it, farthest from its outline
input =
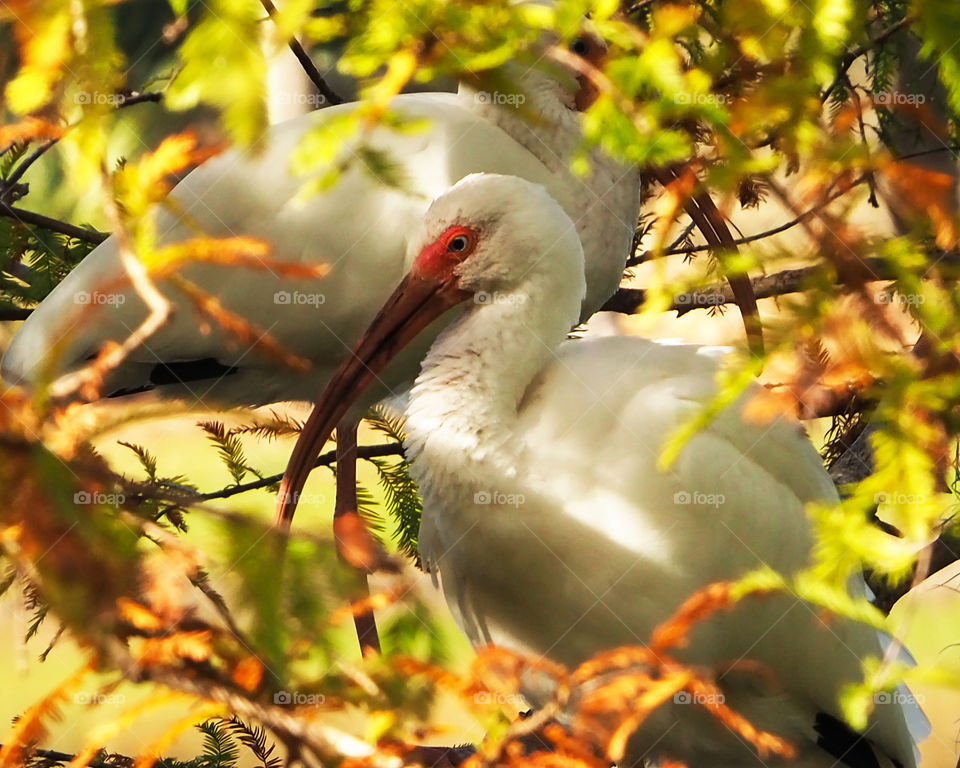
(539, 115)
(463, 408)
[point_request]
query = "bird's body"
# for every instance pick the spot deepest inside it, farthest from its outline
(358, 227)
(573, 504)
(545, 514)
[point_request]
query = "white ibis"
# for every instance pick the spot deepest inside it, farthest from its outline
(545, 514)
(359, 227)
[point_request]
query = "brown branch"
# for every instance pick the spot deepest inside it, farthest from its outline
(701, 209)
(323, 460)
(799, 219)
(629, 300)
(306, 62)
(350, 533)
(54, 225)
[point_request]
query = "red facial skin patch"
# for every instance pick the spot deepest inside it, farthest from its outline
(438, 259)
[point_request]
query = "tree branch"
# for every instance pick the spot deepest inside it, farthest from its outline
(323, 460)
(847, 59)
(306, 62)
(636, 260)
(628, 300)
(54, 225)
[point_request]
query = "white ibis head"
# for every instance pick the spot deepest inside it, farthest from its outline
(490, 238)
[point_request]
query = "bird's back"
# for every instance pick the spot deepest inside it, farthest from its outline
(625, 543)
(358, 227)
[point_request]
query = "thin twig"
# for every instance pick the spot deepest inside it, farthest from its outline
(9, 183)
(306, 62)
(760, 235)
(323, 460)
(89, 378)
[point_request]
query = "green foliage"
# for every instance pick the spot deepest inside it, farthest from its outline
(228, 33)
(219, 748)
(401, 497)
(936, 20)
(733, 92)
(229, 447)
(33, 261)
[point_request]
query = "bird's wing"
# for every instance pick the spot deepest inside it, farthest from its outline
(359, 227)
(733, 501)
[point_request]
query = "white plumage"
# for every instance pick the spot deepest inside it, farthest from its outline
(551, 527)
(359, 227)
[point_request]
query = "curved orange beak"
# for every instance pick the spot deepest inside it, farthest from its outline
(416, 303)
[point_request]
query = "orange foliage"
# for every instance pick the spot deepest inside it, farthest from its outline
(248, 673)
(232, 251)
(193, 645)
(175, 153)
(31, 726)
(242, 330)
(28, 129)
